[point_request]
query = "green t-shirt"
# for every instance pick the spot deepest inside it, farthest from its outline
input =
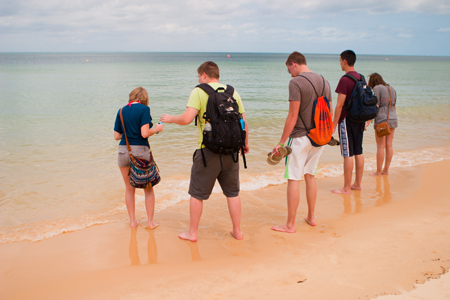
(198, 100)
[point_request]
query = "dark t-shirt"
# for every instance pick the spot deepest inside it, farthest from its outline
(134, 117)
(345, 86)
(301, 90)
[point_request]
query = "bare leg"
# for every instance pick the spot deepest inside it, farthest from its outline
(359, 170)
(311, 195)
(348, 170)
(381, 144)
(150, 208)
(389, 152)
(293, 199)
(129, 197)
(196, 209)
(234, 207)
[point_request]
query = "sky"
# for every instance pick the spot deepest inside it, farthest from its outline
(394, 27)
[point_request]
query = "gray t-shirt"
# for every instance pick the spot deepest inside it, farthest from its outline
(301, 90)
(383, 94)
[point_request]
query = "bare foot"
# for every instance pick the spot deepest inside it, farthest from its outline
(283, 228)
(310, 222)
(187, 236)
(152, 225)
(341, 191)
(238, 236)
(385, 173)
(375, 174)
(135, 224)
(356, 187)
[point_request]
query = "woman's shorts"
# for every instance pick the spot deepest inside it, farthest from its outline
(123, 158)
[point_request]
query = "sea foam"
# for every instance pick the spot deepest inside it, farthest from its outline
(172, 192)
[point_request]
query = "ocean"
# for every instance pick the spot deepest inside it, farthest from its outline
(58, 156)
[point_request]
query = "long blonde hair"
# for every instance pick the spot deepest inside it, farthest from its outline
(139, 94)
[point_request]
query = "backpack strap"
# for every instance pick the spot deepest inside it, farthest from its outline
(351, 77)
(312, 84)
(229, 90)
(299, 113)
(207, 88)
(243, 157)
(354, 78)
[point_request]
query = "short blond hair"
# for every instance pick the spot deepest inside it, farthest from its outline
(139, 94)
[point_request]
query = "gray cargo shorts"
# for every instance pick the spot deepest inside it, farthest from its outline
(203, 178)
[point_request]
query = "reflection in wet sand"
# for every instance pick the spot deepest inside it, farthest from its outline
(348, 202)
(195, 254)
(133, 249)
(151, 248)
(383, 194)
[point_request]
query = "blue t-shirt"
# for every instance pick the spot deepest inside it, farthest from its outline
(134, 117)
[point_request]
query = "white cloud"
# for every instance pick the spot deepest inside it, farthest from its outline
(194, 21)
(443, 30)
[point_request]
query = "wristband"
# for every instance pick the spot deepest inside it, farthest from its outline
(281, 144)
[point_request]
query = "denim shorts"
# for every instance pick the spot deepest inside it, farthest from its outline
(123, 158)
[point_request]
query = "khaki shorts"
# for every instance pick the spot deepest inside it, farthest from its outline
(123, 158)
(303, 159)
(203, 178)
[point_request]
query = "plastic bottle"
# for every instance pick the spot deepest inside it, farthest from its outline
(242, 124)
(208, 130)
(159, 123)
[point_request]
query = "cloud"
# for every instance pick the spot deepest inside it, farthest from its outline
(443, 30)
(149, 23)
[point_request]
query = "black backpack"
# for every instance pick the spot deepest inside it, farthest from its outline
(362, 105)
(226, 133)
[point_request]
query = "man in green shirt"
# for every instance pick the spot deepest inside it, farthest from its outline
(220, 167)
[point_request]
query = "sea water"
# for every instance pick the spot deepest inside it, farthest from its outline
(58, 156)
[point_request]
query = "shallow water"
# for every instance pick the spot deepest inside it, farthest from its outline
(58, 169)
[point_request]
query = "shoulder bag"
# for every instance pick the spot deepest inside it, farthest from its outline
(144, 174)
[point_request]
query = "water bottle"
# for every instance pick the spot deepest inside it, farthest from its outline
(159, 123)
(242, 124)
(208, 131)
(243, 133)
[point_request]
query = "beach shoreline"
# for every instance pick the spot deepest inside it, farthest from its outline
(381, 241)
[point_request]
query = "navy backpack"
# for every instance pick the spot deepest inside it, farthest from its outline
(362, 105)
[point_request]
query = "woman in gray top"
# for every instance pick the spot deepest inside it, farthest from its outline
(385, 94)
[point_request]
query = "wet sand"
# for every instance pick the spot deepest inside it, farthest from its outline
(381, 241)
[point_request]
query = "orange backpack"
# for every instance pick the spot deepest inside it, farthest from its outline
(322, 130)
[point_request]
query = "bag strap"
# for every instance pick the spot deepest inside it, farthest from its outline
(299, 112)
(390, 101)
(126, 139)
(323, 80)
(125, 133)
(229, 90)
(354, 78)
(207, 88)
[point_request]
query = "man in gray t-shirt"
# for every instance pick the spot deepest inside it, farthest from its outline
(303, 160)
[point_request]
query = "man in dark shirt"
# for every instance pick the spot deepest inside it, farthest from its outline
(350, 133)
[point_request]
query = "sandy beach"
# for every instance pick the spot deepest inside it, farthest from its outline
(386, 240)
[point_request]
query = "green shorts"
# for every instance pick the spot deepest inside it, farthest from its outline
(203, 178)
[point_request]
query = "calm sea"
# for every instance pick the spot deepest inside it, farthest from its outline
(58, 164)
